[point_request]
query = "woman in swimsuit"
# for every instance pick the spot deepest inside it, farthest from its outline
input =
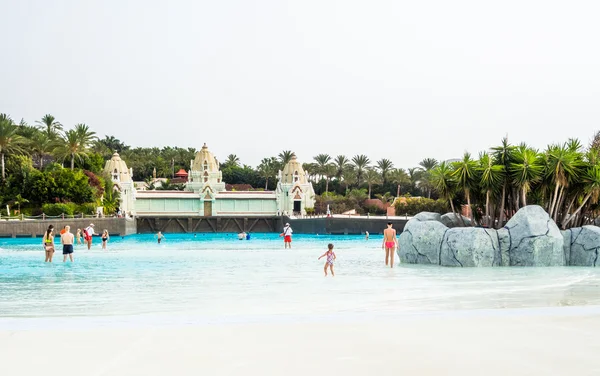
(329, 260)
(48, 242)
(105, 238)
(390, 243)
(78, 236)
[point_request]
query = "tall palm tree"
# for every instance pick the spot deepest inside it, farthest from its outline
(75, 143)
(268, 168)
(399, 177)
(341, 164)
(384, 165)
(349, 177)
(525, 170)
(50, 126)
(491, 176)
(563, 166)
(10, 141)
(503, 155)
(285, 156)
(428, 164)
(465, 173)
(41, 145)
(591, 179)
(232, 161)
(445, 183)
(322, 160)
(361, 162)
(329, 172)
(372, 177)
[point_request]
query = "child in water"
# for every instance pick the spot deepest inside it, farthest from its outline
(105, 238)
(329, 261)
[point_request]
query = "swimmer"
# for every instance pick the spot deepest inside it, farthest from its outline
(78, 236)
(105, 238)
(159, 236)
(366, 235)
(242, 236)
(329, 261)
(390, 243)
(48, 242)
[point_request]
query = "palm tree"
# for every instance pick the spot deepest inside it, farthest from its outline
(268, 168)
(75, 143)
(503, 155)
(322, 160)
(525, 170)
(349, 177)
(329, 172)
(563, 166)
(361, 162)
(285, 156)
(491, 176)
(41, 145)
(428, 164)
(50, 126)
(384, 165)
(465, 173)
(232, 161)
(372, 177)
(443, 180)
(398, 176)
(10, 141)
(591, 179)
(19, 200)
(341, 164)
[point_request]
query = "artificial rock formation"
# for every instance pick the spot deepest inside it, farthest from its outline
(454, 220)
(530, 238)
(582, 246)
(428, 216)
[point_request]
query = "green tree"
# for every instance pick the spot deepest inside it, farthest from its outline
(41, 145)
(503, 156)
(384, 165)
(19, 200)
(341, 164)
(445, 183)
(75, 144)
(268, 168)
(50, 126)
(526, 169)
(491, 176)
(322, 160)
(465, 174)
(10, 141)
(232, 161)
(372, 177)
(286, 156)
(428, 164)
(399, 177)
(564, 165)
(361, 162)
(591, 180)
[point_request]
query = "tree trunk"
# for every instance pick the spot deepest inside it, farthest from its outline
(369, 191)
(524, 197)
(558, 202)
(578, 209)
(266, 183)
(3, 173)
(487, 209)
(398, 191)
(566, 213)
(72, 162)
(553, 203)
(327, 185)
(501, 218)
(41, 161)
(469, 207)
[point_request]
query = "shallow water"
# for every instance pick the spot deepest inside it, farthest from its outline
(216, 275)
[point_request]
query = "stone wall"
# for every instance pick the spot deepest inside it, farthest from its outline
(36, 228)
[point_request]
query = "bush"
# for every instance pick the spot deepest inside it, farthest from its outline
(310, 211)
(412, 206)
(87, 209)
(59, 209)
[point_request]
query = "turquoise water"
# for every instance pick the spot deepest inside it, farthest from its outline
(218, 276)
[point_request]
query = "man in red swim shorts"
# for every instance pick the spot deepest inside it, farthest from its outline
(390, 243)
(287, 236)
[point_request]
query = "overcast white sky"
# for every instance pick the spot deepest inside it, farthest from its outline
(394, 79)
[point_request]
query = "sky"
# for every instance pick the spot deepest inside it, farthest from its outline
(403, 80)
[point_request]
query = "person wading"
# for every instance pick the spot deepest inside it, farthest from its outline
(287, 236)
(88, 233)
(390, 243)
(67, 238)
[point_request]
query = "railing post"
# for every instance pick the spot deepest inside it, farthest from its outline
(63, 215)
(44, 216)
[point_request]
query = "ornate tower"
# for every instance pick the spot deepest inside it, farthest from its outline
(205, 179)
(121, 177)
(294, 192)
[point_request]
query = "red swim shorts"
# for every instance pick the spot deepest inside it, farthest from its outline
(287, 239)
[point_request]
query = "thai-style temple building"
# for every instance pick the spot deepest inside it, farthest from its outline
(205, 195)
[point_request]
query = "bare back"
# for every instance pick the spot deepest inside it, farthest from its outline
(389, 235)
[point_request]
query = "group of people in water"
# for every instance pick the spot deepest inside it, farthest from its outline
(68, 239)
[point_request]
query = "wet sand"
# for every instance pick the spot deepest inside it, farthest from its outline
(532, 343)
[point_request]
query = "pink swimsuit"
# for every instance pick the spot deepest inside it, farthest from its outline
(330, 257)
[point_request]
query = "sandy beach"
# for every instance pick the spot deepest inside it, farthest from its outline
(518, 343)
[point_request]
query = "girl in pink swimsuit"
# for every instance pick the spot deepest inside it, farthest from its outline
(329, 260)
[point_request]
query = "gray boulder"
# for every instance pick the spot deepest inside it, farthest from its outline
(504, 242)
(535, 240)
(428, 216)
(420, 242)
(584, 246)
(567, 245)
(470, 246)
(454, 220)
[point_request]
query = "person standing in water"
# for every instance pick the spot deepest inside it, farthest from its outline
(390, 243)
(366, 235)
(88, 233)
(78, 236)
(329, 260)
(48, 243)
(105, 238)
(287, 236)
(67, 239)
(160, 236)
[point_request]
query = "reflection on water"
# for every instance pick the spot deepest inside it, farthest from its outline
(219, 275)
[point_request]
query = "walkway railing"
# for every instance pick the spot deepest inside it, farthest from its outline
(44, 217)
